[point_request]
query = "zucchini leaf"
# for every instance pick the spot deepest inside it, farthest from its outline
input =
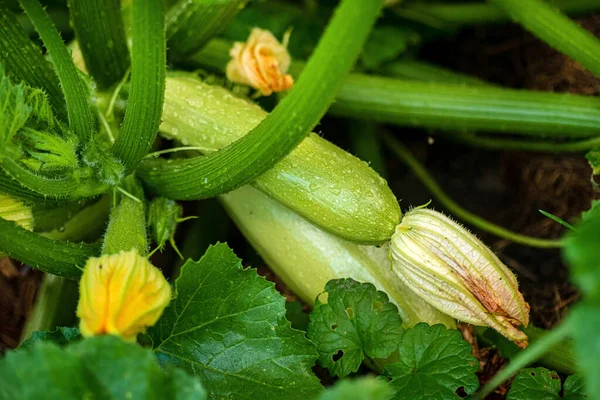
(227, 326)
(102, 367)
(357, 320)
(358, 389)
(434, 363)
(543, 384)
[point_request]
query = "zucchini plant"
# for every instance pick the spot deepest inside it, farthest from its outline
(106, 143)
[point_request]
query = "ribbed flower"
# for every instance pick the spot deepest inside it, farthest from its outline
(13, 210)
(456, 273)
(121, 294)
(261, 62)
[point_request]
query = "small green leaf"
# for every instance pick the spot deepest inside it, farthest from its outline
(543, 384)
(101, 368)
(593, 157)
(359, 389)
(163, 216)
(573, 388)
(594, 210)
(535, 383)
(435, 362)
(357, 320)
(227, 326)
(61, 336)
(557, 220)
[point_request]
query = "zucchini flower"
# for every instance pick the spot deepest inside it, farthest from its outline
(456, 273)
(121, 294)
(261, 62)
(12, 209)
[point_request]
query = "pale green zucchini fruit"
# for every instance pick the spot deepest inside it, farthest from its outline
(306, 257)
(318, 180)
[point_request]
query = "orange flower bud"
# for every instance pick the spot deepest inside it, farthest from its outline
(121, 294)
(261, 62)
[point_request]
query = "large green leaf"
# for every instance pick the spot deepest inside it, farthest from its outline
(227, 326)
(434, 363)
(356, 320)
(359, 389)
(97, 368)
(543, 384)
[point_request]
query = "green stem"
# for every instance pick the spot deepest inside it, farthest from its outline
(57, 297)
(127, 223)
(146, 94)
(533, 353)
(444, 14)
(553, 27)
(525, 145)
(401, 151)
(464, 108)
(77, 97)
(54, 306)
(288, 124)
(23, 60)
(57, 187)
(53, 256)
(11, 186)
(101, 35)
(192, 23)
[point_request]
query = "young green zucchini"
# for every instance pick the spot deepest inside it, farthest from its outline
(306, 257)
(318, 180)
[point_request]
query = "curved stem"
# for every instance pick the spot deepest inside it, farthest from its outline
(289, 123)
(487, 142)
(473, 219)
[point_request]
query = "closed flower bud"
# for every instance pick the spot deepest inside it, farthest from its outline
(456, 273)
(12, 209)
(121, 294)
(261, 62)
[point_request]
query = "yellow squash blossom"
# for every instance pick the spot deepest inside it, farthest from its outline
(121, 294)
(261, 62)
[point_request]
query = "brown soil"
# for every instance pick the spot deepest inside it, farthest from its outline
(18, 286)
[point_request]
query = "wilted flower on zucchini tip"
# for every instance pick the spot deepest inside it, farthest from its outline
(455, 272)
(261, 62)
(121, 294)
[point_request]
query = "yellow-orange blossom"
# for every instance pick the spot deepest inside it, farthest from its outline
(121, 294)
(261, 62)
